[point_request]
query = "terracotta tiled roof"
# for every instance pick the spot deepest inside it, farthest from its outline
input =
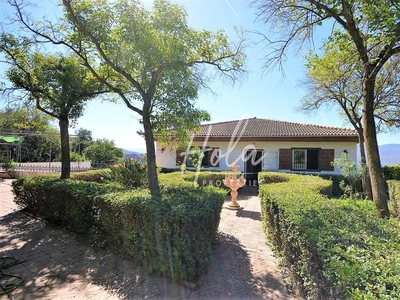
(270, 128)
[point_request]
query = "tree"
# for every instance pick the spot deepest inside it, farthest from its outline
(152, 59)
(371, 27)
(58, 85)
(37, 130)
(83, 140)
(335, 79)
(103, 152)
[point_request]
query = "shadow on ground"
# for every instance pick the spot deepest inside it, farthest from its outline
(61, 263)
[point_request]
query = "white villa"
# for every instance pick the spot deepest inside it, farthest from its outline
(265, 145)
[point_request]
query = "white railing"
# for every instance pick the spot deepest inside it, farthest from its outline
(53, 167)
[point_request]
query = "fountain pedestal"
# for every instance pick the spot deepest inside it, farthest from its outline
(234, 183)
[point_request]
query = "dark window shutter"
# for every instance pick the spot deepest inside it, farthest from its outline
(326, 158)
(179, 157)
(285, 159)
(213, 157)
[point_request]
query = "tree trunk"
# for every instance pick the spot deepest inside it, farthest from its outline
(366, 182)
(378, 183)
(65, 153)
(151, 155)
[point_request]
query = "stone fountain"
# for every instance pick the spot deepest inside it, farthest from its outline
(234, 183)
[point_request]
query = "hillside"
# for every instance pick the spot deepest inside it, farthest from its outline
(133, 154)
(390, 154)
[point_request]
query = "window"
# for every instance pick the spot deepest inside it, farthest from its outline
(210, 157)
(305, 159)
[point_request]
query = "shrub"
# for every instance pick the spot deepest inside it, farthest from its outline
(130, 173)
(391, 172)
(335, 249)
(67, 203)
(351, 175)
(394, 196)
(169, 170)
(90, 176)
(207, 178)
(171, 234)
(73, 157)
(7, 164)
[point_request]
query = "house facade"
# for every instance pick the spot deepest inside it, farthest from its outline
(265, 145)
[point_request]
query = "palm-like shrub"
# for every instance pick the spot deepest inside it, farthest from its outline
(130, 173)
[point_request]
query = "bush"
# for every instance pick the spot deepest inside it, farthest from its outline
(7, 164)
(73, 157)
(67, 203)
(208, 178)
(171, 234)
(90, 176)
(130, 173)
(391, 172)
(335, 249)
(352, 174)
(394, 196)
(168, 170)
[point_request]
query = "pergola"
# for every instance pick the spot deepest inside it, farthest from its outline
(11, 140)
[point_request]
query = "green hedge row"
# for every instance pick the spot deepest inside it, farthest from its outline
(394, 196)
(170, 235)
(208, 178)
(90, 176)
(335, 249)
(391, 172)
(66, 203)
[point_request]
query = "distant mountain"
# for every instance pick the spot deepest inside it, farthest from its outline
(133, 154)
(390, 154)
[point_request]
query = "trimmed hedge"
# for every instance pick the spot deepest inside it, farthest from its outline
(391, 172)
(170, 235)
(90, 176)
(204, 179)
(66, 203)
(208, 178)
(394, 196)
(334, 249)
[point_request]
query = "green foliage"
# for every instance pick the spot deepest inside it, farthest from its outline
(351, 173)
(57, 84)
(170, 234)
(73, 156)
(391, 172)
(394, 198)
(335, 249)
(207, 178)
(34, 148)
(160, 85)
(103, 152)
(67, 203)
(7, 164)
(90, 176)
(195, 158)
(130, 173)
(82, 140)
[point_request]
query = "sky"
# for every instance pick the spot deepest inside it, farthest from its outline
(269, 95)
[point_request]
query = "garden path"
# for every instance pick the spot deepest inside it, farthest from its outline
(58, 265)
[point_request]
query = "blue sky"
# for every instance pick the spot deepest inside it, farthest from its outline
(262, 95)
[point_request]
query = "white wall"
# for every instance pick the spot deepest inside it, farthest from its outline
(167, 157)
